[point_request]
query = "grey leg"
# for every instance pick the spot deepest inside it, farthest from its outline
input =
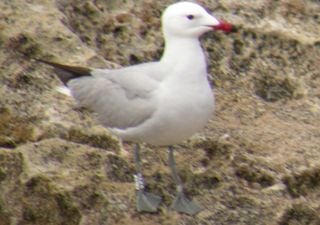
(181, 203)
(145, 202)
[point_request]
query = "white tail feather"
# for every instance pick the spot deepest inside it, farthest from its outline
(63, 90)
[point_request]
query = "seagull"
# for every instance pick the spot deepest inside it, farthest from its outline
(161, 103)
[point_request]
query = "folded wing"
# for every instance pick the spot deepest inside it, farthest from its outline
(121, 98)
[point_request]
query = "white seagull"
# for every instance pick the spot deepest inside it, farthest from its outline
(160, 103)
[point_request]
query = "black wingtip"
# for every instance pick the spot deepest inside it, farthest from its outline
(67, 72)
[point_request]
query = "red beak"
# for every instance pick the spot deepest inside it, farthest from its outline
(224, 26)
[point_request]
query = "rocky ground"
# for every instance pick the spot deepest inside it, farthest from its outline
(257, 162)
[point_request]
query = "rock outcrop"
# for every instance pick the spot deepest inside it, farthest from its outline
(257, 162)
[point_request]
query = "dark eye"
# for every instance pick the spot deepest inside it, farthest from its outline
(190, 17)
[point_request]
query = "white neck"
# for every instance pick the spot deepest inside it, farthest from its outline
(184, 52)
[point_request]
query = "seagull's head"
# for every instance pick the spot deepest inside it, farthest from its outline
(187, 19)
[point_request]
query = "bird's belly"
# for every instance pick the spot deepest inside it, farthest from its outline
(176, 121)
(173, 131)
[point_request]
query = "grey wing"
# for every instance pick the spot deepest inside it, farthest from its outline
(119, 101)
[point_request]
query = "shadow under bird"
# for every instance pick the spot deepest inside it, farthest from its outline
(160, 103)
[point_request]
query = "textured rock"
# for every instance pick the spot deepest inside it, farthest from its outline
(257, 162)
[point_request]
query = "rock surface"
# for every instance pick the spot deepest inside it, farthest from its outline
(257, 162)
